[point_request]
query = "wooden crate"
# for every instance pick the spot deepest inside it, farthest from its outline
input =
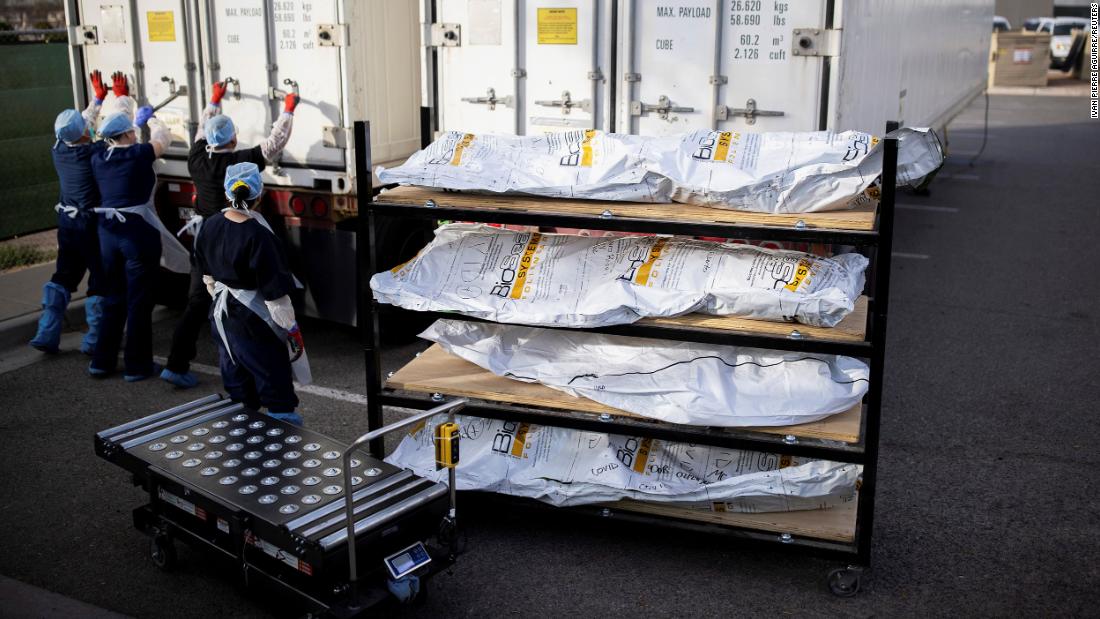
(1019, 59)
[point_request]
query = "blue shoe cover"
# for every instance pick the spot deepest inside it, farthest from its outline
(183, 381)
(291, 418)
(54, 301)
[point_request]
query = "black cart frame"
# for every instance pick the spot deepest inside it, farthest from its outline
(876, 242)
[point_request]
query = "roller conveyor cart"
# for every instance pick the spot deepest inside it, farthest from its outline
(271, 497)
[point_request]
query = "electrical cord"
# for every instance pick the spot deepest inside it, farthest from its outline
(985, 131)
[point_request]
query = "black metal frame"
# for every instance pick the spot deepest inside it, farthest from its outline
(864, 452)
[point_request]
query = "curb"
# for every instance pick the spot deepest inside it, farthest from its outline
(19, 330)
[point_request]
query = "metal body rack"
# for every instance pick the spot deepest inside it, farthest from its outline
(852, 436)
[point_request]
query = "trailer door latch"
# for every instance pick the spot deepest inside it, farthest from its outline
(332, 35)
(815, 42)
(83, 35)
(663, 108)
(446, 35)
(750, 112)
(566, 103)
(490, 99)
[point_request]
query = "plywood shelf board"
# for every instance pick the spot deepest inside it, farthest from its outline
(861, 219)
(438, 371)
(836, 524)
(852, 329)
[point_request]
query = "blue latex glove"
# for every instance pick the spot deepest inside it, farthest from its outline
(144, 113)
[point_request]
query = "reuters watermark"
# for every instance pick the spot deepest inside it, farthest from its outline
(1094, 88)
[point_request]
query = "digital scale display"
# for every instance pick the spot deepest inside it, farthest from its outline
(404, 562)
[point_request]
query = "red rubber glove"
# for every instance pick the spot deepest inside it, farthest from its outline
(98, 86)
(295, 343)
(290, 103)
(119, 85)
(217, 91)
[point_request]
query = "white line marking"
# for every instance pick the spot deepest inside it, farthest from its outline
(324, 392)
(927, 207)
(901, 254)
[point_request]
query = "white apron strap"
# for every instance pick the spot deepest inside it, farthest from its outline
(71, 211)
(253, 301)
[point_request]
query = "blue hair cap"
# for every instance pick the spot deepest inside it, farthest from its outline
(115, 125)
(245, 174)
(219, 130)
(69, 126)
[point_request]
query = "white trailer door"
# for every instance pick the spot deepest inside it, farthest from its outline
(766, 87)
(235, 48)
(477, 87)
(151, 35)
(566, 48)
(692, 64)
(317, 70)
(263, 44)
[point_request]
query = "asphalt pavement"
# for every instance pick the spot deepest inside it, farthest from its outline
(988, 485)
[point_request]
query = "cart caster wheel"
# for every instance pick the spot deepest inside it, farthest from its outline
(162, 550)
(844, 582)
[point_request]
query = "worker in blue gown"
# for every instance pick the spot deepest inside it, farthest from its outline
(245, 270)
(133, 242)
(207, 161)
(77, 238)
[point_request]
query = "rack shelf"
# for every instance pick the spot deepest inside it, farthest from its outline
(854, 227)
(438, 371)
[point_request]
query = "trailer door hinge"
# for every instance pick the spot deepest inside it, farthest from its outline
(663, 108)
(490, 99)
(632, 77)
(332, 35)
(446, 35)
(334, 137)
(815, 42)
(566, 103)
(83, 35)
(750, 112)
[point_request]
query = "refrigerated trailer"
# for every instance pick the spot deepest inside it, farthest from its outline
(348, 60)
(655, 68)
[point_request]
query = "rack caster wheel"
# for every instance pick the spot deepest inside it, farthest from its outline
(844, 582)
(162, 550)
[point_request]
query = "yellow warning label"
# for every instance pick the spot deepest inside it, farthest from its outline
(520, 442)
(557, 26)
(586, 148)
(162, 26)
(525, 263)
(722, 149)
(643, 455)
(647, 266)
(800, 275)
(461, 146)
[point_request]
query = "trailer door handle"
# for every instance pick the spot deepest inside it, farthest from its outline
(566, 103)
(750, 112)
(663, 108)
(490, 99)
